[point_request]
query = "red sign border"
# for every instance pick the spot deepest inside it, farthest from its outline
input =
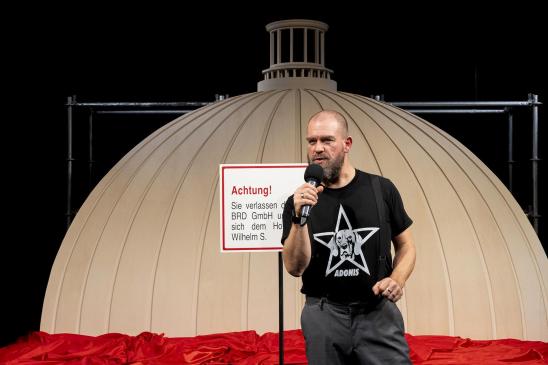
(243, 166)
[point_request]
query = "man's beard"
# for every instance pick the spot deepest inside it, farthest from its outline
(332, 170)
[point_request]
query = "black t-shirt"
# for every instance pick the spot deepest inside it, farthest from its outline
(348, 257)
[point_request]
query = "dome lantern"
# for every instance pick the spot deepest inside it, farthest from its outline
(297, 56)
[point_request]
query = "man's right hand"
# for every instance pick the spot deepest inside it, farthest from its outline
(306, 194)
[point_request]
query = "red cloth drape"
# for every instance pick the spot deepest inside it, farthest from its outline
(247, 348)
(434, 350)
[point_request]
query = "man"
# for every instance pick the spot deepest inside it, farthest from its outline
(343, 254)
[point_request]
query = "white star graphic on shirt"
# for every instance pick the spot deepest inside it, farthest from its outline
(357, 259)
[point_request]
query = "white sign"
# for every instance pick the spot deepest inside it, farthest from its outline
(252, 203)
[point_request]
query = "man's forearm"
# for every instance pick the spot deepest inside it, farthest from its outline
(404, 258)
(296, 251)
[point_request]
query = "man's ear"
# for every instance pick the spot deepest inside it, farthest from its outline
(347, 144)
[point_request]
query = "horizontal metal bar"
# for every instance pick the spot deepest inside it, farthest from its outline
(459, 103)
(143, 111)
(142, 105)
(456, 111)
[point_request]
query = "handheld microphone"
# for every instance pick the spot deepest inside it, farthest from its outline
(314, 176)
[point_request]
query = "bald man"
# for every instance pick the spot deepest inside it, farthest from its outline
(342, 251)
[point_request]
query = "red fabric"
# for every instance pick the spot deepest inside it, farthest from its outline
(434, 350)
(242, 348)
(247, 348)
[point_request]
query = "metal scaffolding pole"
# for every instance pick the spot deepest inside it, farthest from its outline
(510, 151)
(113, 108)
(456, 111)
(90, 149)
(535, 159)
(177, 104)
(68, 212)
(460, 104)
(488, 107)
(458, 107)
(163, 111)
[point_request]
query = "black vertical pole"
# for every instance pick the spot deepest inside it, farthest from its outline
(90, 150)
(281, 306)
(535, 159)
(510, 151)
(71, 100)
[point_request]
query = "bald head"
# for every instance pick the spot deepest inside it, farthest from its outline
(328, 145)
(326, 115)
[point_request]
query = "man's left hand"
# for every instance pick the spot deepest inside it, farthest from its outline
(388, 288)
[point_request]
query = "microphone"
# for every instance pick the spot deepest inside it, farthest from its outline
(314, 176)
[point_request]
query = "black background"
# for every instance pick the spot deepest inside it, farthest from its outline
(158, 53)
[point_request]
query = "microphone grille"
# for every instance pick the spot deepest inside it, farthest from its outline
(313, 172)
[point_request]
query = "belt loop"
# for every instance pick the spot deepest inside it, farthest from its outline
(322, 300)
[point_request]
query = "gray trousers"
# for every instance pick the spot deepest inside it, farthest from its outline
(348, 334)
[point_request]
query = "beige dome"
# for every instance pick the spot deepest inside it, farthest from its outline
(143, 251)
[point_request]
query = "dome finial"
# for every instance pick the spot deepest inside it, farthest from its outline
(297, 56)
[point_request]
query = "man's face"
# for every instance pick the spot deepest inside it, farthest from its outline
(326, 146)
(345, 240)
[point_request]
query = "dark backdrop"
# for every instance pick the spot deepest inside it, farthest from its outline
(144, 53)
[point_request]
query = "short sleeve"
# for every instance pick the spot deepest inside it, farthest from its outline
(399, 220)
